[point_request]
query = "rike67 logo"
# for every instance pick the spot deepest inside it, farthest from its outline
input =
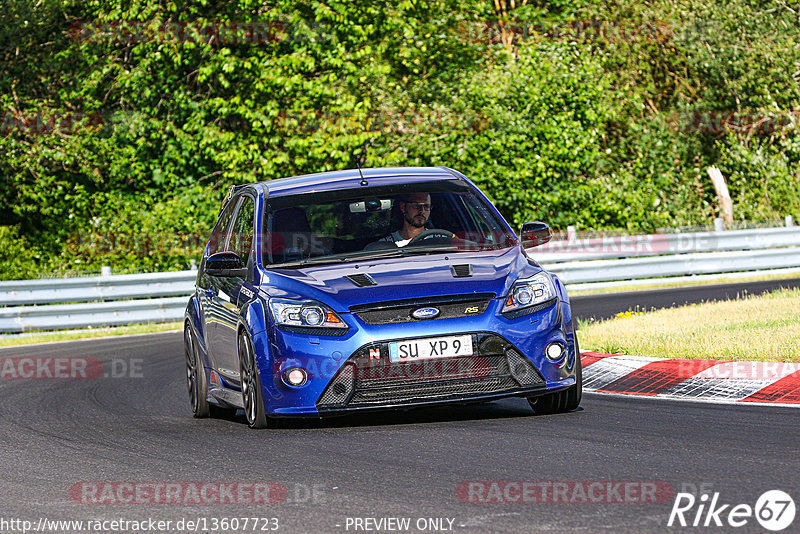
(774, 510)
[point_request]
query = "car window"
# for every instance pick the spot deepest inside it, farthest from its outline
(477, 220)
(344, 223)
(241, 239)
(219, 236)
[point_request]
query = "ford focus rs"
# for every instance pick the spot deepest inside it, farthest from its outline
(355, 290)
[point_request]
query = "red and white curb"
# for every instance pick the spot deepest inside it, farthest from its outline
(774, 383)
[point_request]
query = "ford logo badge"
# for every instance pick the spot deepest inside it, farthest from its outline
(425, 313)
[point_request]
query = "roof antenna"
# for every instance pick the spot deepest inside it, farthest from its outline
(363, 157)
(363, 180)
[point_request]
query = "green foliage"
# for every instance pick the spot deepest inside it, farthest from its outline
(17, 258)
(762, 176)
(120, 134)
(529, 132)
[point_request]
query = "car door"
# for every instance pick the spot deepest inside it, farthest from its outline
(209, 286)
(230, 295)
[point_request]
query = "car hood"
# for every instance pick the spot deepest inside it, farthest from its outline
(401, 278)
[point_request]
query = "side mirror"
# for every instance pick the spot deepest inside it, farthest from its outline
(534, 234)
(225, 264)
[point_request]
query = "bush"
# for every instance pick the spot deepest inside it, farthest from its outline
(573, 127)
(18, 260)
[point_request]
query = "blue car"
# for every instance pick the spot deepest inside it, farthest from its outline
(369, 289)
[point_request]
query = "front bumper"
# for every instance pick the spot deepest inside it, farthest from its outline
(496, 367)
(509, 361)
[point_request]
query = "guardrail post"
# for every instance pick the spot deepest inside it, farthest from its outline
(105, 270)
(572, 234)
(719, 225)
(789, 221)
(723, 196)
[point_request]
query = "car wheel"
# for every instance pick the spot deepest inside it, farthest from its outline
(252, 396)
(562, 401)
(195, 376)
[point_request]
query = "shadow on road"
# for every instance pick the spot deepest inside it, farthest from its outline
(495, 410)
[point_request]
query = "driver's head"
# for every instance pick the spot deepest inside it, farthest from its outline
(416, 208)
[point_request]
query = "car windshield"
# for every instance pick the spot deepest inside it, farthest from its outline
(379, 221)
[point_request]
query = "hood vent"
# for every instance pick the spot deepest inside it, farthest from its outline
(361, 280)
(461, 271)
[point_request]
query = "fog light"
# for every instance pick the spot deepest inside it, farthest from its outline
(295, 376)
(554, 351)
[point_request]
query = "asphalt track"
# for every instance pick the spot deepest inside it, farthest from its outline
(604, 306)
(59, 433)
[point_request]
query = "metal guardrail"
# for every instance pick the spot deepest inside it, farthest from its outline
(118, 313)
(674, 265)
(595, 248)
(29, 305)
(96, 288)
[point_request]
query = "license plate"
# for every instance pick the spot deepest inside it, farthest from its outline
(430, 348)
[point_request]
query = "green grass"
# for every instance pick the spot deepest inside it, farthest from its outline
(753, 327)
(46, 337)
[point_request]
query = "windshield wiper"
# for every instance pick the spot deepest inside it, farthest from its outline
(430, 250)
(452, 249)
(395, 253)
(303, 263)
(392, 253)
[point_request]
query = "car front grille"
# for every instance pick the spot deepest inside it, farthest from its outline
(399, 311)
(364, 381)
(431, 391)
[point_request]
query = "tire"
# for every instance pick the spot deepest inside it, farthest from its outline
(562, 401)
(195, 376)
(252, 395)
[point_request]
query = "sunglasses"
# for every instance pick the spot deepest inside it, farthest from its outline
(419, 206)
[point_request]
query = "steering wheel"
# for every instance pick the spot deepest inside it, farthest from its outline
(433, 232)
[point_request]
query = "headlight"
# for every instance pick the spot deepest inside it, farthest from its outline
(527, 294)
(304, 314)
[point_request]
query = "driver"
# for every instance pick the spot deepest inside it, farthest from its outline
(415, 209)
